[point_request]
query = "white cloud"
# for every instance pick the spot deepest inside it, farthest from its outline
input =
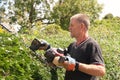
(110, 6)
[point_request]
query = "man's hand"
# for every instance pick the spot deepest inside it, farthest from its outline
(67, 62)
(50, 54)
(71, 63)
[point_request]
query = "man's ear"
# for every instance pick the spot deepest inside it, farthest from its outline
(83, 27)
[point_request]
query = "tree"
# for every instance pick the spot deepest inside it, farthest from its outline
(64, 9)
(2, 9)
(26, 12)
(108, 16)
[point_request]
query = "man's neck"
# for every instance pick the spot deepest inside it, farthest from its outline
(81, 39)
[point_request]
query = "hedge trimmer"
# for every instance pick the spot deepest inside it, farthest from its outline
(37, 44)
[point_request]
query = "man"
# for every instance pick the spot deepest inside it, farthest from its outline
(85, 61)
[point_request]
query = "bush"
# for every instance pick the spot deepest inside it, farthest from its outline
(107, 33)
(16, 63)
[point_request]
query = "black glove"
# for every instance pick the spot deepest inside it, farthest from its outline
(50, 55)
(63, 51)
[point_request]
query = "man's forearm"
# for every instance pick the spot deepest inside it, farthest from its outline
(92, 69)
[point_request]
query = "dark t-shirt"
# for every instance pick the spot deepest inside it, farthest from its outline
(87, 52)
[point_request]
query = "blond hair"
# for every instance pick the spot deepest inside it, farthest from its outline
(82, 18)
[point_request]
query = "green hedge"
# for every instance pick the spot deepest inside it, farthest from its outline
(16, 62)
(107, 33)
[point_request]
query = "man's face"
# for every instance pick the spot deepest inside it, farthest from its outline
(74, 28)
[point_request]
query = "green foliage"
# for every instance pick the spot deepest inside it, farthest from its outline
(27, 12)
(23, 8)
(64, 10)
(108, 16)
(52, 29)
(107, 33)
(53, 33)
(1, 30)
(16, 62)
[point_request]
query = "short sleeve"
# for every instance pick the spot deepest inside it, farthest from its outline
(96, 55)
